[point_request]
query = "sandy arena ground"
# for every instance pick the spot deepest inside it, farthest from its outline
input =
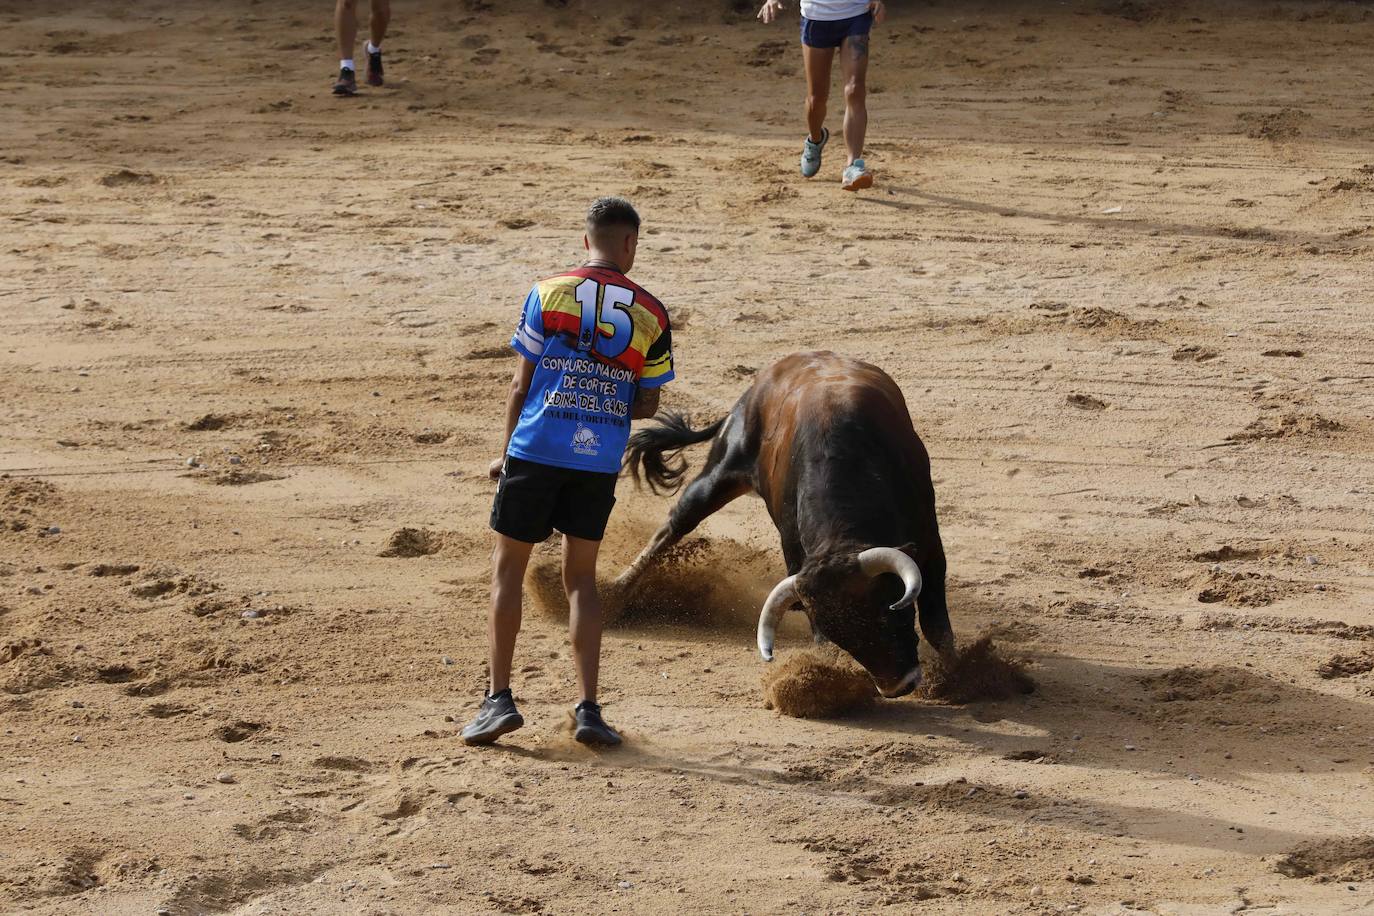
(1119, 258)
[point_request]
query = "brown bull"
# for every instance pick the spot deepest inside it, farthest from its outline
(828, 443)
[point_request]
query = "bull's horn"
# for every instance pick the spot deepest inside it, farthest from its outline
(780, 599)
(878, 560)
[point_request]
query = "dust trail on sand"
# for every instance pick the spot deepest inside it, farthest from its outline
(705, 582)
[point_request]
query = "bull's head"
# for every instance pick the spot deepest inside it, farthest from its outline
(850, 601)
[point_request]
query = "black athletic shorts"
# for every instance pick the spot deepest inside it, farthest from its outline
(533, 499)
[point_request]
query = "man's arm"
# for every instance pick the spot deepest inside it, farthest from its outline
(515, 402)
(770, 11)
(645, 404)
(878, 10)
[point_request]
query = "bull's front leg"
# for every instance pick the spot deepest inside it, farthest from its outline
(817, 637)
(933, 613)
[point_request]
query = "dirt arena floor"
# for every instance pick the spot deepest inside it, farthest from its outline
(1119, 257)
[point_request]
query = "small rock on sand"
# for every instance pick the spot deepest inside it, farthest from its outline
(225, 777)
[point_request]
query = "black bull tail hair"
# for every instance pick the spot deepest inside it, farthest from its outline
(654, 454)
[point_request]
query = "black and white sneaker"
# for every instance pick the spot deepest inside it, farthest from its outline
(347, 83)
(374, 68)
(498, 716)
(591, 728)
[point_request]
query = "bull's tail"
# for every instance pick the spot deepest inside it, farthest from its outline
(654, 454)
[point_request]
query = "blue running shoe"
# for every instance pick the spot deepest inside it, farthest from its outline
(811, 154)
(857, 177)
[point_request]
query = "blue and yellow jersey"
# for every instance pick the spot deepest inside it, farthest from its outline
(595, 338)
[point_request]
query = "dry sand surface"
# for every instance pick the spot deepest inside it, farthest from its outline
(1118, 257)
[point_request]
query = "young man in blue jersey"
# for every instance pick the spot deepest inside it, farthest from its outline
(827, 26)
(593, 350)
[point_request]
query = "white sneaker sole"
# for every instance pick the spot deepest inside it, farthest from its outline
(858, 184)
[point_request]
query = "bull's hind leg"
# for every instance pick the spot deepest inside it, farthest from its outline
(712, 490)
(725, 477)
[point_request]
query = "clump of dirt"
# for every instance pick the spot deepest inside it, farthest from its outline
(121, 177)
(1275, 126)
(1096, 317)
(113, 569)
(412, 542)
(26, 493)
(1192, 353)
(1243, 589)
(979, 672)
(347, 764)
(237, 477)
(19, 500)
(1227, 552)
(1132, 10)
(1085, 402)
(768, 53)
(234, 732)
(10, 651)
(209, 422)
(1286, 425)
(1330, 860)
(159, 584)
(817, 684)
(28, 664)
(1347, 665)
(1100, 320)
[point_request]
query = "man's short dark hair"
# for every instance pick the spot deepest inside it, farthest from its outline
(607, 213)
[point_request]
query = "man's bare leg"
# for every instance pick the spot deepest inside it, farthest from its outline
(381, 16)
(854, 66)
(346, 26)
(509, 560)
(818, 62)
(584, 605)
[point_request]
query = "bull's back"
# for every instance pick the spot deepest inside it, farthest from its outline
(801, 399)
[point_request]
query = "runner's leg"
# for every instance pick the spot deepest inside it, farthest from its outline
(509, 560)
(346, 26)
(854, 66)
(381, 16)
(584, 618)
(818, 62)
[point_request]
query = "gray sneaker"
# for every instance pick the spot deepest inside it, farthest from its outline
(591, 728)
(498, 716)
(857, 177)
(811, 154)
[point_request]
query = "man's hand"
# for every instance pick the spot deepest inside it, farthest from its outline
(645, 404)
(770, 11)
(878, 11)
(494, 472)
